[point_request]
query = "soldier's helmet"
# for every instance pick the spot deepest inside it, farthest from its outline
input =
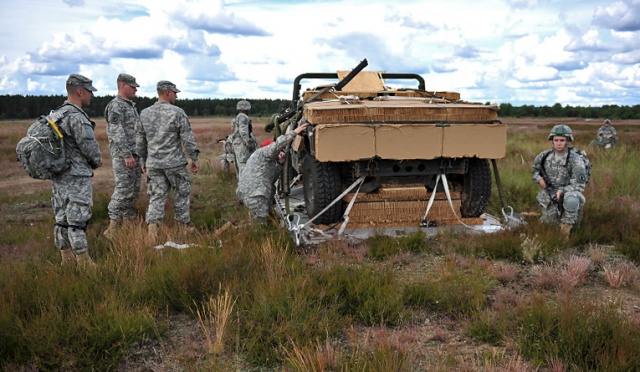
(243, 105)
(606, 121)
(561, 130)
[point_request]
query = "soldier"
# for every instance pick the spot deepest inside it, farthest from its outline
(163, 132)
(71, 190)
(244, 143)
(607, 135)
(227, 156)
(122, 120)
(562, 175)
(256, 184)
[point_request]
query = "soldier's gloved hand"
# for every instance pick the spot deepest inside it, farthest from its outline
(269, 127)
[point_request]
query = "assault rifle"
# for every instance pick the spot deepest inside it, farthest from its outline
(552, 191)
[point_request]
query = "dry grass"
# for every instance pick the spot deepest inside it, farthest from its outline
(214, 317)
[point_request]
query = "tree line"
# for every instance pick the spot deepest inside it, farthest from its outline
(26, 107)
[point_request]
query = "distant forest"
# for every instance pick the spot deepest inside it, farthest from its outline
(26, 107)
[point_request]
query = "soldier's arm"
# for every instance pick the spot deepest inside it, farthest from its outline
(243, 129)
(83, 133)
(115, 130)
(188, 139)
(141, 143)
(578, 179)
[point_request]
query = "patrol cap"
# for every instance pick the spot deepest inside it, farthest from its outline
(126, 78)
(167, 85)
(81, 81)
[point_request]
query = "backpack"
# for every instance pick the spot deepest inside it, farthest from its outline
(582, 156)
(41, 152)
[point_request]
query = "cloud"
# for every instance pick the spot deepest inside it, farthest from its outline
(620, 16)
(74, 3)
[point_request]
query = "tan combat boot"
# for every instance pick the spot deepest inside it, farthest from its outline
(565, 229)
(152, 233)
(67, 257)
(113, 226)
(85, 260)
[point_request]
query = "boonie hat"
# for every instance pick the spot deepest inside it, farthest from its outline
(81, 81)
(167, 85)
(126, 78)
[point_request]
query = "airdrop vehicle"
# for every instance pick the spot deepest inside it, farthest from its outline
(375, 156)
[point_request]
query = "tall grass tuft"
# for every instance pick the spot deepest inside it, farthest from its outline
(214, 317)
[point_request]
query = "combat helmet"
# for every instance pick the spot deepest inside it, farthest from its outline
(243, 105)
(606, 121)
(561, 130)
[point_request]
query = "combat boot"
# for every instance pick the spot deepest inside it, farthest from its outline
(565, 229)
(113, 226)
(152, 233)
(67, 257)
(85, 260)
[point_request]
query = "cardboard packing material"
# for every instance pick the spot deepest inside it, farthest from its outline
(349, 142)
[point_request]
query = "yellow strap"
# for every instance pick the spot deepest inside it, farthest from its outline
(55, 127)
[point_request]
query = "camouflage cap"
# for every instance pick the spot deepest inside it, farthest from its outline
(167, 85)
(126, 78)
(81, 81)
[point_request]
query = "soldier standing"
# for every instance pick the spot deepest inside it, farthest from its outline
(71, 190)
(160, 138)
(256, 184)
(227, 156)
(244, 143)
(563, 177)
(122, 120)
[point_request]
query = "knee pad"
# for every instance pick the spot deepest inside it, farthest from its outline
(571, 203)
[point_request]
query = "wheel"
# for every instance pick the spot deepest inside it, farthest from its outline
(321, 186)
(476, 188)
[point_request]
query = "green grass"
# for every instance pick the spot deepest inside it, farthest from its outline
(314, 311)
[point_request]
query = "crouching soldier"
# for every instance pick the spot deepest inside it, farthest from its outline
(562, 176)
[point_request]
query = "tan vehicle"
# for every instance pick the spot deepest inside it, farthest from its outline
(389, 148)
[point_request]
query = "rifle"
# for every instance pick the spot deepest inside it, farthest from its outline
(552, 191)
(289, 113)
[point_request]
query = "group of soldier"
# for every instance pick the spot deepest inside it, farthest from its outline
(159, 142)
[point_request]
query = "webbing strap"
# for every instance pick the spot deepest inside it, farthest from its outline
(356, 183)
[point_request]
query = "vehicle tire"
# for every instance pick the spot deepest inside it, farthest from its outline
(476, 188)
(321, 186)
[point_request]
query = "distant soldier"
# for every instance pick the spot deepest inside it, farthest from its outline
(164, 131)
(256, 184)
(244, 143)
(227, 156)
(71, 190)
(122, 120)
(562, 175)
(607, 135)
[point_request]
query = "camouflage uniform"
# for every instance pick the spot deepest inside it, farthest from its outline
(227, 156)
(256, 184)
(244, 143)
(607, 135)
(570, 179)
(122, 120)
(71, 190)
(164, 130)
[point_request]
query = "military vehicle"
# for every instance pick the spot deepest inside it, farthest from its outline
(380, 156)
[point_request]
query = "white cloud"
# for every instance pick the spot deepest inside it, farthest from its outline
(515, 51)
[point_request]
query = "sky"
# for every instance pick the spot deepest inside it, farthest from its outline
(522, 52)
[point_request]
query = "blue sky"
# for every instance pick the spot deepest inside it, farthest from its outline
(535, 52)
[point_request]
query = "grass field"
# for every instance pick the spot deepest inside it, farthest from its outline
(518, 300)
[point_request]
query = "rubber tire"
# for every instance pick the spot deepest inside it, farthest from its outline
(321, 186)
(476, 188)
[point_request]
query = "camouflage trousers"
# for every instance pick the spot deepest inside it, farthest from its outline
(227, 156)
(159, 183)
(569, 211)
(126, 191)
(259, 207)
(72, 201)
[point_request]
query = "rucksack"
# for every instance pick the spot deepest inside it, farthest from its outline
(41, 152)
(582, 156)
